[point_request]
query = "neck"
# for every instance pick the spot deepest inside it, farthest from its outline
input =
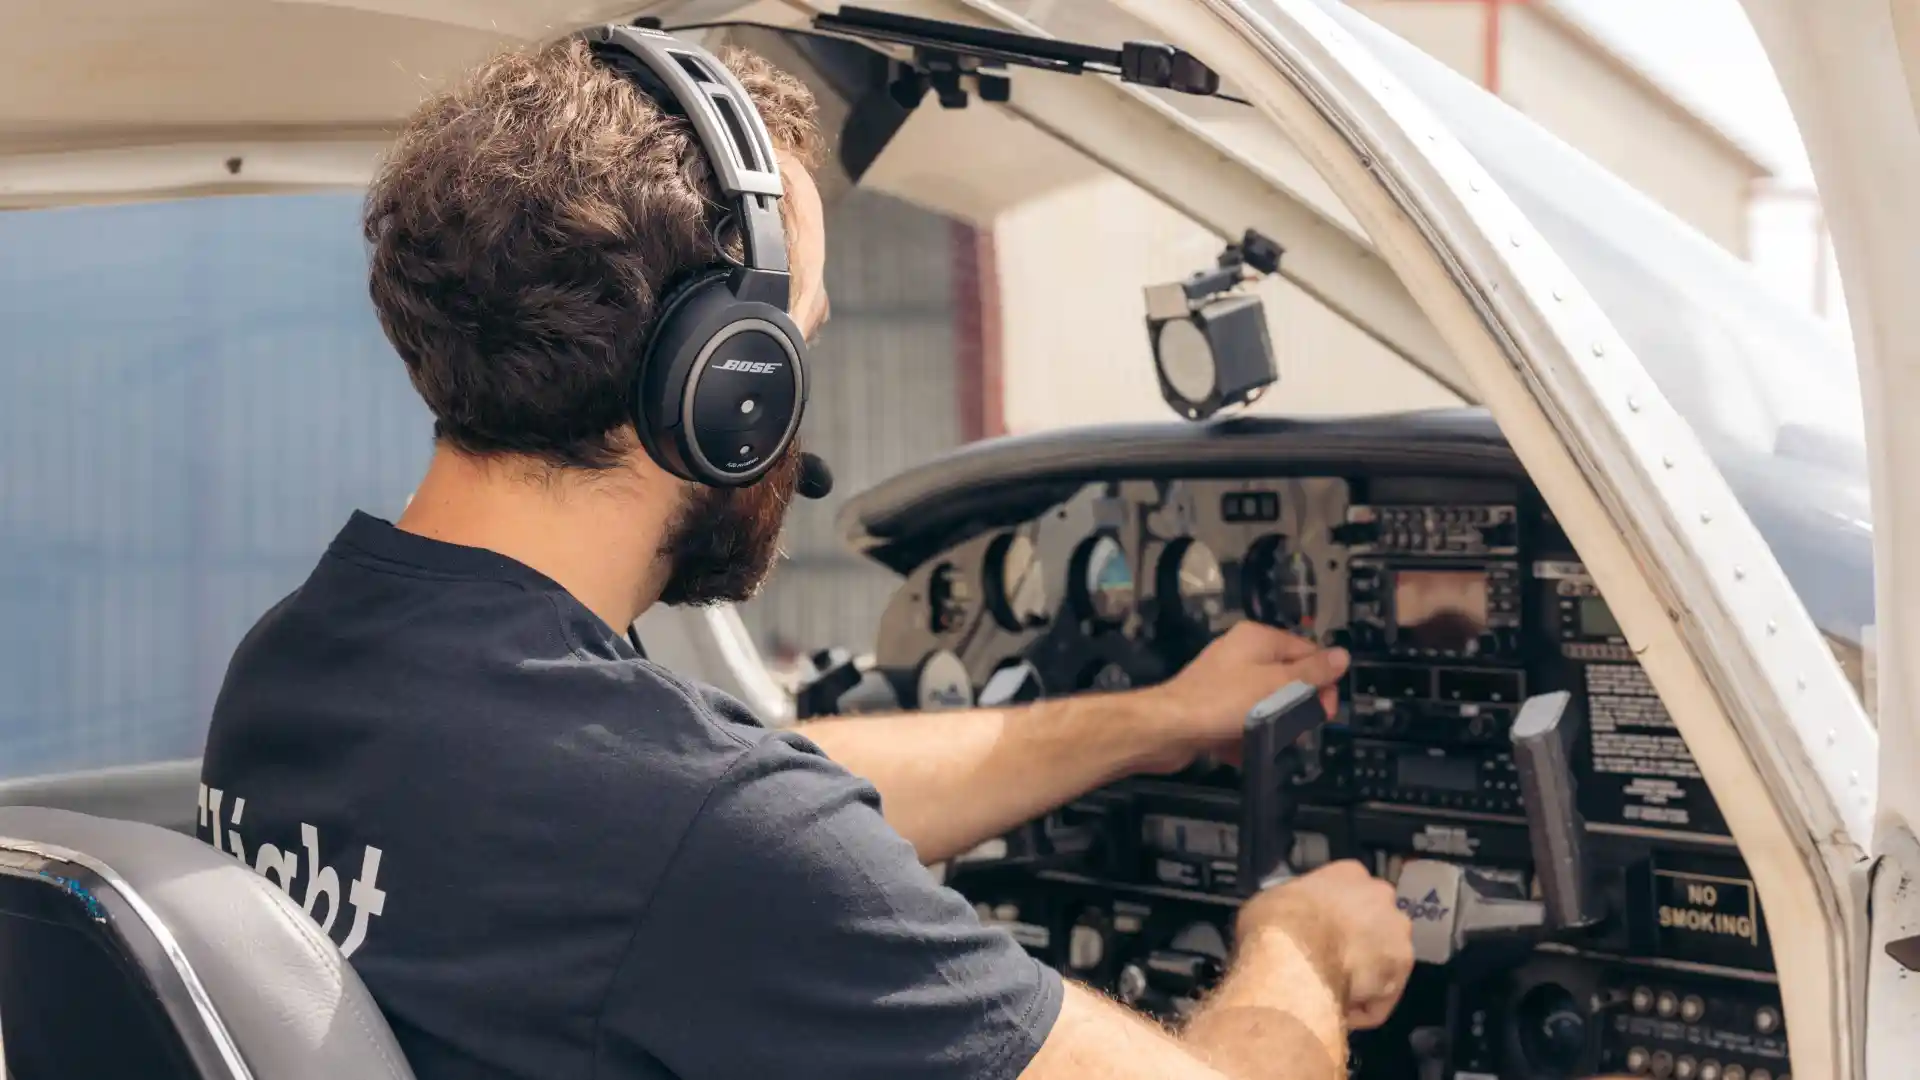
(595, 534)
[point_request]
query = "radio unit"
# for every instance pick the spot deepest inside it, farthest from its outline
(1579, 615)
(1430, 609)
(1438, 704)
(1431, 530)
(1154, 832)
(1412, 774)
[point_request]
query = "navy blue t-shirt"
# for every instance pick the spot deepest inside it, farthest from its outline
(548, 857)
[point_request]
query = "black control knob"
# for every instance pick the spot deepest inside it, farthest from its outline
(1356, 533)
(1500, 534)
(1552, 1030)
(1501, 641)
(1429, 1045)
(1181, 973)
(1366, 637)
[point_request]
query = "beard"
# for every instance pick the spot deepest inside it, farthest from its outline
(723, 542)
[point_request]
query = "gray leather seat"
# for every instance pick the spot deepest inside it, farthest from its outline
(130, 950)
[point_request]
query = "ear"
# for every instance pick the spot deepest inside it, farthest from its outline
(806, 224)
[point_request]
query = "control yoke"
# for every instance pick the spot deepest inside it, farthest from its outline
(1452, 907)
(1269, 760)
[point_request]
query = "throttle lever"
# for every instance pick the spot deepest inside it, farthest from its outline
(1453, 907)
(1268, 761)
(1542, 748)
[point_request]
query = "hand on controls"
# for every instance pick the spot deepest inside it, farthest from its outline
(1207, 703)
(1350, 925)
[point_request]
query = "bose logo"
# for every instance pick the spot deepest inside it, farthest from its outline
(752, 367)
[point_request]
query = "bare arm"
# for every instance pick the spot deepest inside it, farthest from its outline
(1299, 973)
(950, 780)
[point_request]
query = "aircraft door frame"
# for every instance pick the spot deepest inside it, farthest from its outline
(1851, 73)
(1780, 735)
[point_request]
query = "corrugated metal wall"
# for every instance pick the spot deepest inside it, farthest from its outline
(193, 397)
(885, 397)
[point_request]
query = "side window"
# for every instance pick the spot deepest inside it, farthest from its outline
(193, 397)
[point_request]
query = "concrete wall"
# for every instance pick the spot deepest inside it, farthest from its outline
(1072, 267)
(885, 397)
(1072, 263)
(1575, 93)
(1569, 83)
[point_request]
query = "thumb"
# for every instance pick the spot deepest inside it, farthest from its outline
(1323, 668)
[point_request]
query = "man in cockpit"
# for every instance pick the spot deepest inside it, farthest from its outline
(545, 855)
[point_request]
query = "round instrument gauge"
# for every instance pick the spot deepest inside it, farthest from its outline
(943, 683)
(1102, 580)
(1108, 677)
(949, 599)
(1191, 587)
(1280, 586)
(1016, 583)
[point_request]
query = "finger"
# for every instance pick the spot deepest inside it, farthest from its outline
(1370, 1015)
(1322, 668)
(1273, 643)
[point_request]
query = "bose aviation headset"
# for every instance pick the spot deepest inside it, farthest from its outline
(722, 380)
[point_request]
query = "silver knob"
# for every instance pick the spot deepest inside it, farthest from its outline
(1085, 947)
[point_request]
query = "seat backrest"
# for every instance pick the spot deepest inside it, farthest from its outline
(130, 950)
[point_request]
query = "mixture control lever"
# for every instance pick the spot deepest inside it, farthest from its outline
(1452, 907)
(1269, 759)
(1542, 751)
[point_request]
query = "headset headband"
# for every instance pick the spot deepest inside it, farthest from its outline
(682, 76)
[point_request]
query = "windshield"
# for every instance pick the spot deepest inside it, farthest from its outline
(1772, 393)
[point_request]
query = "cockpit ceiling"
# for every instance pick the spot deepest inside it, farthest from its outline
(89, 74)
(302, 93)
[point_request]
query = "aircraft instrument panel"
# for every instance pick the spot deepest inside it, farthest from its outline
(1093, 561)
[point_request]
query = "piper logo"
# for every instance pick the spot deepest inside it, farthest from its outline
(751, 367)
(1428, 908)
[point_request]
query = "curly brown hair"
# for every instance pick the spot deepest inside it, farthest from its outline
(525, 225)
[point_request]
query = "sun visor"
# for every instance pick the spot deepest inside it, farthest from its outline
(880, 145)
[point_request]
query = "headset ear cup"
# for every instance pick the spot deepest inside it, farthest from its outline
(652, 405)
(712, 358)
